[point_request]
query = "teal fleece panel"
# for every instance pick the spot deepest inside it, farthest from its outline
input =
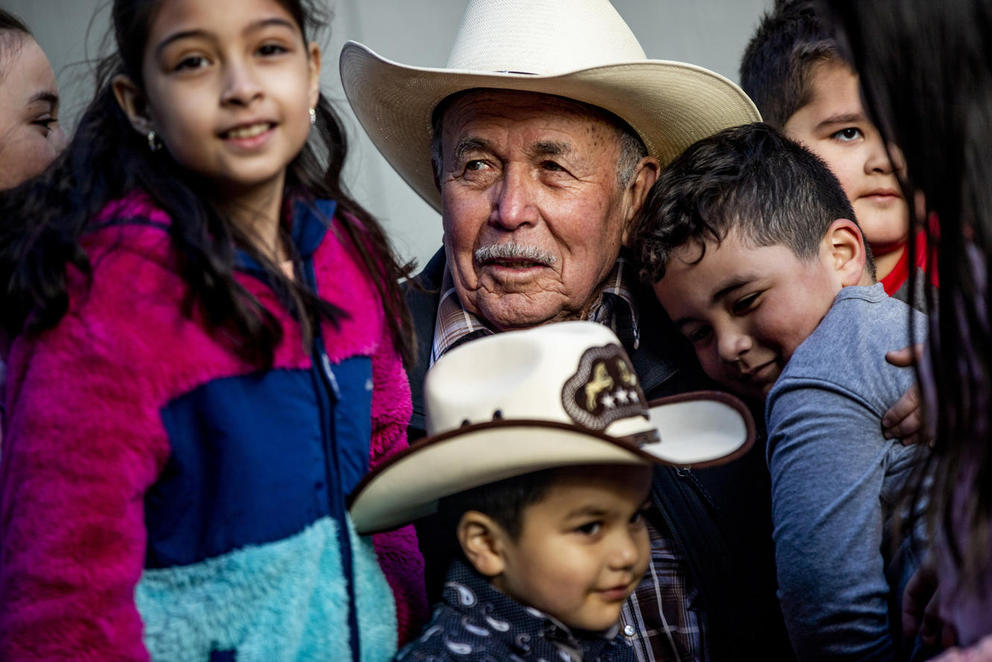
(278, 601)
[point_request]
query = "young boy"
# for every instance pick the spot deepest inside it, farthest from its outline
(794, 72)
(540, 453)
(748, 242)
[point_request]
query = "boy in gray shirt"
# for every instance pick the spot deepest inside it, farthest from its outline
(752, 248)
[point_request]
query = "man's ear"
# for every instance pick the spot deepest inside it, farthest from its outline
(483, 541)
(133, 102)
(637, 189)
(846, 252)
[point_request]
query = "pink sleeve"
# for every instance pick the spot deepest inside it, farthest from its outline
(398, 551)
(82, 447)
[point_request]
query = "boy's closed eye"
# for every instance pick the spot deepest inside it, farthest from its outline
(696, 334)
(745, 304)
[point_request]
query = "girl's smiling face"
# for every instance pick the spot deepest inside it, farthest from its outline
(228, 87)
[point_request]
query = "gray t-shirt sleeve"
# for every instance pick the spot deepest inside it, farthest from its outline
(828, 464)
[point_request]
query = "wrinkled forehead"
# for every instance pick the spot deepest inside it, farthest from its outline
(518, 105)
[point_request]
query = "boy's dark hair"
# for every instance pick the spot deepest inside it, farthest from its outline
(504, 501)
(778, 62)
(751, 179)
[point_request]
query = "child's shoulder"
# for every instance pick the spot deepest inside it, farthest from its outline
(131, 227)
(133, 303)
(848, 346)
(871, 309)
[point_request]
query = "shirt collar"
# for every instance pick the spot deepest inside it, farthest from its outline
(468, 592)
(615, 307)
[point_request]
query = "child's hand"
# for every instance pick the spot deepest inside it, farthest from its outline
(902, 421)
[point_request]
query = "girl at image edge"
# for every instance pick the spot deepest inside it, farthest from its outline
(204, 359)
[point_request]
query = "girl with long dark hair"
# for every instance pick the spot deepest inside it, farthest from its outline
(926, 68)
(205, 339)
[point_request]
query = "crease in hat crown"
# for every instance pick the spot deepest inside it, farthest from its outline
(526, 375)
(541, 37)
(520, 376)
(576, 49)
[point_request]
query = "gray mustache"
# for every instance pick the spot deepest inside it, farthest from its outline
(514, 251)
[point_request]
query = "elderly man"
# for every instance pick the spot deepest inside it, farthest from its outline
(538, 143)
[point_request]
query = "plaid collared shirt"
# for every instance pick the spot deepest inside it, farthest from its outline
(656, 619)
(616, 309)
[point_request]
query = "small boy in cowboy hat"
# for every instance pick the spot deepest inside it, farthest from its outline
(539, 458)
(752, 249)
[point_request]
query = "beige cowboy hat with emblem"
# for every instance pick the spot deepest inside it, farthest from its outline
(578, 49)
(556, 395)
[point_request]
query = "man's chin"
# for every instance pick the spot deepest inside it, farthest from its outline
(519, 311)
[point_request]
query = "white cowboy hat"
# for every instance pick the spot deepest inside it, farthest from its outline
(578, 49)
(521, 401)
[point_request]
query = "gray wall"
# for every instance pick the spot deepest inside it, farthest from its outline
(710, 33)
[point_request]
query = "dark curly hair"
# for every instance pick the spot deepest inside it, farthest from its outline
(751, 179)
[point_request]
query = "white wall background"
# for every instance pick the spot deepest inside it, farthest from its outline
(709, 33)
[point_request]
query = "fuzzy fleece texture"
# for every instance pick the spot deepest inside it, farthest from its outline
(84, 438)
(242, 601)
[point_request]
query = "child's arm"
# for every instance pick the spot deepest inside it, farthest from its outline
(79, 453)
(828, 461)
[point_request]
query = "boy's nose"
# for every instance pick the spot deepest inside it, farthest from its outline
(732, 346)
(878, 157)
(626, 552)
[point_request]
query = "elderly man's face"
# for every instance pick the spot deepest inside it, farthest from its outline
(534, 214)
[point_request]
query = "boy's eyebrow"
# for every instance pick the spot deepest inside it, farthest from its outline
(842, 118)
(587, 511)
(729, 286)
(725, 288)
(252, 27)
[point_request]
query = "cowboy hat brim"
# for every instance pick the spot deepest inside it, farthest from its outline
(699, 429)
(670, 104)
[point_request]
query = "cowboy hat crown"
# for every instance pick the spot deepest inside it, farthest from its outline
(577, 49)
(556, 395)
